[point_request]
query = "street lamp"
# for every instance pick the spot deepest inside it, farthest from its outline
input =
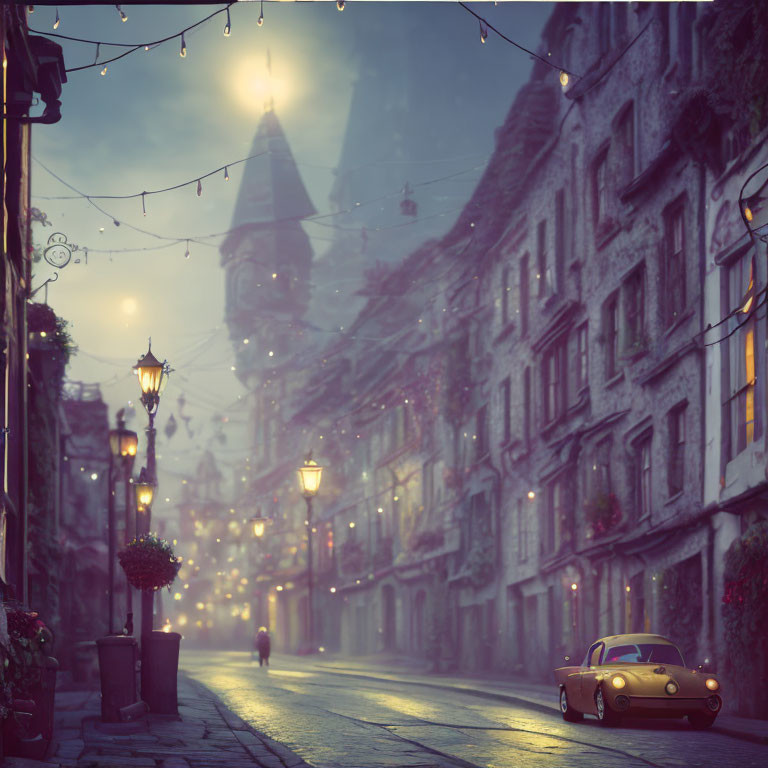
(123, 444)
(259, 524)
(144, 491)
(153, 377)
(309, 482)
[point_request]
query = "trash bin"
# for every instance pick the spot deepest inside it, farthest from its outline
(117, 669)
(159, 668)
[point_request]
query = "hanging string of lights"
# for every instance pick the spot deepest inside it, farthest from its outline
(133, 47)
(485, 25)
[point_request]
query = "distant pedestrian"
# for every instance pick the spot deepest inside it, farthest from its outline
(263, 646)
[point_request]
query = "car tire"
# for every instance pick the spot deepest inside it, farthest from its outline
(700, 721)
(606, 716)
(570, 715)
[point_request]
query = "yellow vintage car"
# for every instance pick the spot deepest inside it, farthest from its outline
(637, 676)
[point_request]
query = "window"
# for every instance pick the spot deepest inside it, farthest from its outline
(505, 289)
(581, 363)
(481, 432)
(676, 466)
(634, 311)
(643, 457)
(674, 264)
(527, 408)
(427, 485)
(742, 425)
(611, 336)
(522, 531)
(554, 381)
(543, 274)
(506, 398)
(556, 527)
(524, 295)
(601, 468)
(600, 182)
(560, 240)
(625, 135)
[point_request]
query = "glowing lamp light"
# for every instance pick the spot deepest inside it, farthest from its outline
(167, 626)
(564, 78)
(340, 5)
(712, 684)
(123, 442)
(145, 492)
(574, 586)
(259, 526)
(309, 478)
(279, 587)
(531, 494)
(748, 213)
(150, 372)
(618, 682)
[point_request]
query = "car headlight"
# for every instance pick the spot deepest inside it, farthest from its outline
(618, 682)
(671, 688)
(712, 684)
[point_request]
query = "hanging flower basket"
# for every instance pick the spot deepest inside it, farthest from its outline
(149, 563)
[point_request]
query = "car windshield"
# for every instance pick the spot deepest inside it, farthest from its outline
(643, 653)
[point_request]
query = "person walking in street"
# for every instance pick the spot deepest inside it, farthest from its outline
(263, 646)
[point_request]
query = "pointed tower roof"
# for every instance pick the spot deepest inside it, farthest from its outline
(271, 189)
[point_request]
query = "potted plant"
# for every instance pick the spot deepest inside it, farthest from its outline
(149, 563)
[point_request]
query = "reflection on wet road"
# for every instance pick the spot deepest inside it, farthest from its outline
(334, 721)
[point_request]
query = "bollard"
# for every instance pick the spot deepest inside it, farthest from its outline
(159, 668)
(117, 668)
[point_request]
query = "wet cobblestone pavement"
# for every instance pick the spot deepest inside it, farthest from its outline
(333, 721)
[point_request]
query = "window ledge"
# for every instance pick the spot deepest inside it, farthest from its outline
(504, 332)
(684, 317)
(633, 355)
(612, 382)
(673, 498)
(605, 231)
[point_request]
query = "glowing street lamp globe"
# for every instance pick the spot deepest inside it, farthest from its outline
(309, 478)
(259, 524)
(123, 442)
(153, 377)
(144, 494)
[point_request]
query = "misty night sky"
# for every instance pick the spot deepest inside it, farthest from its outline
(156, 120)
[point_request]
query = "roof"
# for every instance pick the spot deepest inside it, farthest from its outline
(637, 638)
(271, 189)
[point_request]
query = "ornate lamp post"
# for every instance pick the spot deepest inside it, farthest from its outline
(309, 482)
(123, 444)
(153, 376)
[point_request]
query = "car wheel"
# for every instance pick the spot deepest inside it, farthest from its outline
(700, 721)
(607, 716)
(570, 715)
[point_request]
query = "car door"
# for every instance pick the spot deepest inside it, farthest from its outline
(588, 681)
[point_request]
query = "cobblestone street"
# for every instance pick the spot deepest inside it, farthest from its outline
(337, 721)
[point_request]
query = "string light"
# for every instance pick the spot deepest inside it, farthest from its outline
(143, 203)
(186, 253)
(123, 16)
(340, 5)
(104, 71)
(748, 213)
(483, 33)
(228, 26)
(199, 188)
(563, 78)
(183, 51)
(260, 22)
(226, 173)
(57, 21)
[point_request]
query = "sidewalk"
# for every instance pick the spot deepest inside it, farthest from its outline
(513, 690)
(205, 735)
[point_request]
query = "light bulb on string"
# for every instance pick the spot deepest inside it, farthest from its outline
(564, 78)
(30, 8)
(226, 173)
(122, 13)
(186, 253)
(340, 5)
(183, 51)
(104, 71)
(143, 204)
(57, 21)
(228, 26)
(260, 22)
(483, 32)
(199, 188)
